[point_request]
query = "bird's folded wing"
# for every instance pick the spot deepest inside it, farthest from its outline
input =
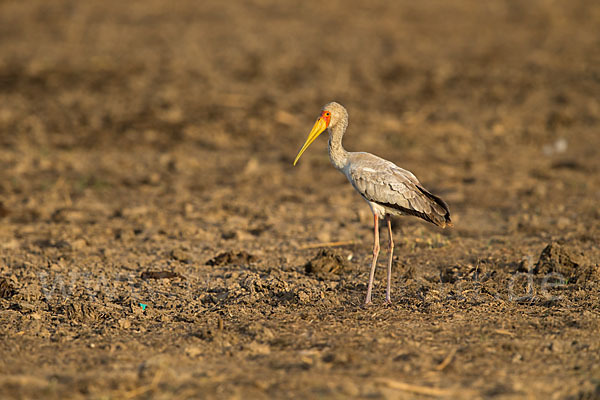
(383, 182)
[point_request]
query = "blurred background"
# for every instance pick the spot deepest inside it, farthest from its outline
(153, 134)
(102, 92)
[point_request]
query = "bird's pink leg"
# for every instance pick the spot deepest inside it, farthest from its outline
(389, 270)
(375, 254)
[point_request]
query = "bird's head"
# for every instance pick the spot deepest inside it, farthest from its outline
(331, 114)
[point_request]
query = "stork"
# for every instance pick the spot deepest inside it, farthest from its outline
(388, 189)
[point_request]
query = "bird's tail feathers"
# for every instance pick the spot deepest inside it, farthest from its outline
(442, 217)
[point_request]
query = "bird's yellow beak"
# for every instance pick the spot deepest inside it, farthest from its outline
(317, 129)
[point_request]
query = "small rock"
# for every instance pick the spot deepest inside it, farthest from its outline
(303, 297)
(193, 351)
(181, 255)
(267, 334)
(563, 222)
(205, 333)
(36, 316)
(256, 348)
(228, 235)
(10, 244)
(124, 323)
(238, 234)
(252, 166)
(149, 368)
(349, 388)
(79, 244)
(55, 267)
(324, 236)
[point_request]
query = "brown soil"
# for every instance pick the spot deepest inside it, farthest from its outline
(154, 235)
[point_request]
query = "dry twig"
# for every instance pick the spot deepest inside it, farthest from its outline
(326, 244)
(407, 387)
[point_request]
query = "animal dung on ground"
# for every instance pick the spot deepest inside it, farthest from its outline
(325, 264)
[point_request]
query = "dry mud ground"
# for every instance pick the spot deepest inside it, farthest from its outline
(154, 234)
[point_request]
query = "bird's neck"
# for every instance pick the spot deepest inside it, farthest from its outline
(337, 154)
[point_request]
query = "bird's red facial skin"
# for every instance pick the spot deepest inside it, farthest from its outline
(326, 115)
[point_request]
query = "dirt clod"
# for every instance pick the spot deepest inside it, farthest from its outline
(231, 258)
(326, 264)
(161, 275)
(181, 255)
(450, 274)
(6, 289)
(3, 210)
(80, 311)
(46, 243)
(557, 259)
